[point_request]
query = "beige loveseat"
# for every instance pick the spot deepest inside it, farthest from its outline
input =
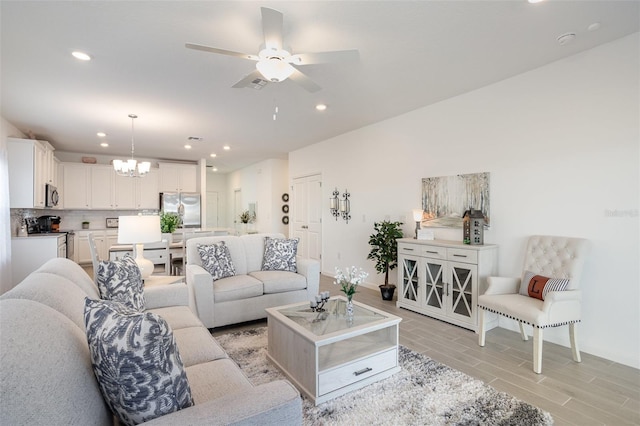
(46, 376)
(246, 295)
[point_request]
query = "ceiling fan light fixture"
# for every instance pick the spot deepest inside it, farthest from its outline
(273, 64)
(275, 69)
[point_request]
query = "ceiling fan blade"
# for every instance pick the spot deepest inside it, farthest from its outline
(304, 81)
(324, 57)
(272, 28)
(220, 51)
(254, 80)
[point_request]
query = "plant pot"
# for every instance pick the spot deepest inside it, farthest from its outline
(387, 291)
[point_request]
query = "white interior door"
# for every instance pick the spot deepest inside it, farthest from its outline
(212, 209)
(307, 215)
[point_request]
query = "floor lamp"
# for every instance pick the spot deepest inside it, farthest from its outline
(138, 230)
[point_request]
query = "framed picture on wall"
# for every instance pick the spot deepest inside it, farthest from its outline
(446, 198)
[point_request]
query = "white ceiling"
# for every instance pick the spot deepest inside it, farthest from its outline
(412, 54)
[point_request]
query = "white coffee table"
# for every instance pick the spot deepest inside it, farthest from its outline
(327, 354)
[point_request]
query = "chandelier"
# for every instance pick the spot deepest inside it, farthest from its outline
(131, 168)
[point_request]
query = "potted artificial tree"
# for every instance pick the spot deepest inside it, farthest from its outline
(384, 251)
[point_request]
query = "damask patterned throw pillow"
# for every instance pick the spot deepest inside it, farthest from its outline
(121, 281)
(136, 361)
(538, 286)
(280, 254)
(216, 260)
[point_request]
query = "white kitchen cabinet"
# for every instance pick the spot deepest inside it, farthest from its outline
(103, 239)
(29, 253)
(101, 178)
(178, 177)
(443, 279)
(77, 185)
(30, 165)
(148, 191)
(98, 187)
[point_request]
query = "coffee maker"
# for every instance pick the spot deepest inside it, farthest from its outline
(49, 223)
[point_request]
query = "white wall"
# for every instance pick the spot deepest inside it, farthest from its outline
(562, 145)
(6, 130)
(262, 183)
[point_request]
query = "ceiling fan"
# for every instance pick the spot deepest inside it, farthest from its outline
(274, 63)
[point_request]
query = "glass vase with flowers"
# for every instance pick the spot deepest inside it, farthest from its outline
(348, 280)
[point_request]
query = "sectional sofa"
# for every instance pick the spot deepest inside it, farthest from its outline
(46, 374)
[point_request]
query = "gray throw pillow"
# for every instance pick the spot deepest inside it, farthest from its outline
(216, 260)
(280, 254)
(136, 361)
(121, 281)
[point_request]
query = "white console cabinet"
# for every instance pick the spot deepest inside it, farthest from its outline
(442, 279)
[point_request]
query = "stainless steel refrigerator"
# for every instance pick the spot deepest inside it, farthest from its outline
(185, 204)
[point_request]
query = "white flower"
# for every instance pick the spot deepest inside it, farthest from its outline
(349, 279)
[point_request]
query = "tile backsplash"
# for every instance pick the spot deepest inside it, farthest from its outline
(72, 219)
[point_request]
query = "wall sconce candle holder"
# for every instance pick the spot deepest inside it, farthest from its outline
(345, 206)
(334, 205)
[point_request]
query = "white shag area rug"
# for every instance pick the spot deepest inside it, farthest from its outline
(424, 392)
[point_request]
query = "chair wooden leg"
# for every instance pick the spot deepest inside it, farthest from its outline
(523, 332)
(537, 350)
(573, 336)
(481, 330)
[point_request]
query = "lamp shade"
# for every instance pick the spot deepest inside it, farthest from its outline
(417, 215)
(139, 229)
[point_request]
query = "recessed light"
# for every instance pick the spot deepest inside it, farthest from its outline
(535, 1)
(101, 134)
(594, 27)
(104, 144)
(226, 147)
(566, 38)
(215, 169)
(213, 155)
(187, 146)
(81, 56)
(321, 107)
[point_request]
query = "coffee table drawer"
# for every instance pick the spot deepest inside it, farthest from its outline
(336, 378)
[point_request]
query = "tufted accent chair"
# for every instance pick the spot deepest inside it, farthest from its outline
(554, 257)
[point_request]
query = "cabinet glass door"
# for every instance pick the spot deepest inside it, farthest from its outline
(410, 279)
(462, 283)
(434, 284)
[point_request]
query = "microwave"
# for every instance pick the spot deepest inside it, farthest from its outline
(51, 196)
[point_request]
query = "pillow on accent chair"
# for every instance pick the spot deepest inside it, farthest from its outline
(121, 281)
(216, 260)
(534, 285)
(280, 254)
(136, 362)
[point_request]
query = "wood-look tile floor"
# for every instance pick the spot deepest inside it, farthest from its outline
(594, 392)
